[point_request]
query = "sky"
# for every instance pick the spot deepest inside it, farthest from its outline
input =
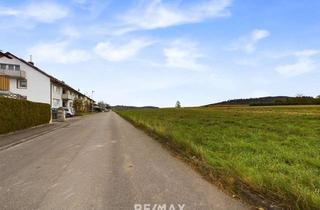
(155, 52)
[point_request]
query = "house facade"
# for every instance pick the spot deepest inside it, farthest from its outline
(56, 95)
(19, 78)
(27, 81)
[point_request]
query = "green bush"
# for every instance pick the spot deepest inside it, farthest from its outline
(20, 114)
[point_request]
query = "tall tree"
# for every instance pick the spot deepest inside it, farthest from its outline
(178, 104)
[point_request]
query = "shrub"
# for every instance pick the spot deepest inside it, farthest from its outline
(81, 106)
(20, 114)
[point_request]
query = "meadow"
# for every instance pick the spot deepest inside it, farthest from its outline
(273, 151)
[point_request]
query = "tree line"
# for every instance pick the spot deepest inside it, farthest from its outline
(298, 100)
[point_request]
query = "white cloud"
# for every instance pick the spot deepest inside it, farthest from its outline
(92, 8)
(5, 11)
(304, 64)
(45, 12)
(183, 54)
(58, 52)
(300, 67)
(248, 43)
(70, 32)
(120, 52)
(155, 14)
(249, 62)
(306, 53)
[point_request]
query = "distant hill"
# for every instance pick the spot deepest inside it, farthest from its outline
(133, 107)
(270, 100)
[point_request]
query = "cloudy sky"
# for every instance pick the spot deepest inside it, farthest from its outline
(155, 52)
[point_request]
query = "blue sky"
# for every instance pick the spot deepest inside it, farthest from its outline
(155, 52)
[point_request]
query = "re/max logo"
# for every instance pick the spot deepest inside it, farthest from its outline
(158, 207)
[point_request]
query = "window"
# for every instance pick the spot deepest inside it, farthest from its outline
(22, 84)
(56, 89)
(17, 67)
(56, 103)
(3, 66)
(11, 67)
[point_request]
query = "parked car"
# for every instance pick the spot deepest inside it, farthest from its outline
(68, 112)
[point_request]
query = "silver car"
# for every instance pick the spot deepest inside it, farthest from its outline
(68, 112)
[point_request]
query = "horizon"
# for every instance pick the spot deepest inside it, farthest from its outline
(153, 53)
(216, 103)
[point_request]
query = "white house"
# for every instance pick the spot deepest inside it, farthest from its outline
(63, 95)
(21, 78)
(24, 79)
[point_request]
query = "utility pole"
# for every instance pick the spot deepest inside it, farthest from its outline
(92, 99)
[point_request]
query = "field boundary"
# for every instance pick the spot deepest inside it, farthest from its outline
(229, 184)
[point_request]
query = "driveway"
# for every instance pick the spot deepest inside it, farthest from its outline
(101, 162)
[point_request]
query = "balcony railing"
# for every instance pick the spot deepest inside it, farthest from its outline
(13, 73)
(67, 96)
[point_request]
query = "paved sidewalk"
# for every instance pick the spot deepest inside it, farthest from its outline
(17, 137)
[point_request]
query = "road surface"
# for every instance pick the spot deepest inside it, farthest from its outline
(101, 162)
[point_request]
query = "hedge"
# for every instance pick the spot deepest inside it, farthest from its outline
(20, 114)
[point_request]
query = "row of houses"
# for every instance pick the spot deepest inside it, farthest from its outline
(23, 79)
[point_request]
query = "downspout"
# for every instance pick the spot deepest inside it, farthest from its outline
(50, 94)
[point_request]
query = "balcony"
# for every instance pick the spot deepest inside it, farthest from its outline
(67, 96)
(13, 73)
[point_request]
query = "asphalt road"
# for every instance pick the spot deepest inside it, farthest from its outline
(101, 162)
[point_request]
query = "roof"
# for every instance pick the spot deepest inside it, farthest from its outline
(53, 79)
(4, 55)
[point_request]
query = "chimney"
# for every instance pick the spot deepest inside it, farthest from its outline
(30, 61)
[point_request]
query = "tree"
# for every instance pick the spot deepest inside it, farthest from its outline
(178, 104)
(318, 99)
(103, 105)
(79, 105)
(108, 106)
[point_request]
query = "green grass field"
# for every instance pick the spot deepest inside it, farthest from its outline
(274, 150)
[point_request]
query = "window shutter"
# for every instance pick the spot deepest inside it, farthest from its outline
(4, 83)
